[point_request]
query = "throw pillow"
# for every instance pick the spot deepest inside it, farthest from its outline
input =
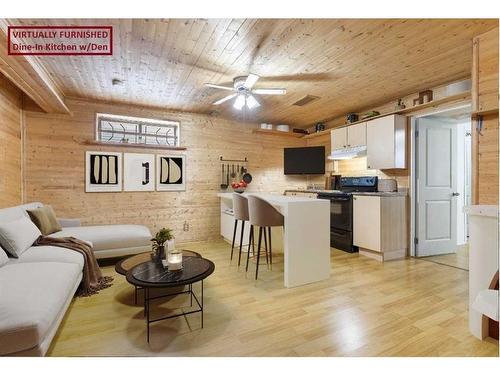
(45, 219)
(3, 257)
(18, 235)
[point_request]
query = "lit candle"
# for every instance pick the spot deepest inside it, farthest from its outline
(174, 261)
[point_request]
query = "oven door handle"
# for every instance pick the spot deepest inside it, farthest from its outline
(340, 199)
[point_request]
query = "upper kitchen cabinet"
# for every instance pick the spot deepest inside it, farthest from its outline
(349, 136)
(485, 72)
(386, 142)
(339, 138)
(356, 135)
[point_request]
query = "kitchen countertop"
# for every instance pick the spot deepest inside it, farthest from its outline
(371, 193)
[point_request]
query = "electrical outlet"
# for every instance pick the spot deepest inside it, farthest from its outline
(186, 226)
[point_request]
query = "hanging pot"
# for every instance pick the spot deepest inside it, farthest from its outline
(247, 177)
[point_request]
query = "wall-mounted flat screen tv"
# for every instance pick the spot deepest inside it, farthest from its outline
(304, 160)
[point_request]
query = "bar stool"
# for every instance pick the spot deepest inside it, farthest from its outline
(240, 210)
(265, 216)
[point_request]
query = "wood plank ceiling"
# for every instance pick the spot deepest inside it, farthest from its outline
(348, 63)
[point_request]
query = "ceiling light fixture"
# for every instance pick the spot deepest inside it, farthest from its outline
(239, 103)
(252, 102)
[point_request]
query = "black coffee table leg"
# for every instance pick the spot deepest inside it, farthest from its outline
(201, 303)
(146, 308)
(190, 290)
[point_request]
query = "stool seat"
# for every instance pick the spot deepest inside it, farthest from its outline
(263, 214)
(240, 207)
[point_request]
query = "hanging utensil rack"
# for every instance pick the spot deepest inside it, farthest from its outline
(234, 160)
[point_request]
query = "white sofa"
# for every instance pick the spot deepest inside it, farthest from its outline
(37, 288)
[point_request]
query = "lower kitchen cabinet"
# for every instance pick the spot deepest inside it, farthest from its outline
(379, 226)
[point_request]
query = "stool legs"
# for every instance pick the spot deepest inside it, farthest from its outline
(251, 241)
(263, 232)
(241, 241)
(258, 253)
(265, 246)
(270, 249)
(234, 237)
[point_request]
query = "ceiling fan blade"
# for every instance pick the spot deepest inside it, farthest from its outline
(219, 87)
(224, 99)
(251, 80)
(269, 91)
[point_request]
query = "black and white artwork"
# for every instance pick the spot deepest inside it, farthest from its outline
(138, 172)
(170, 173)
(103, 171)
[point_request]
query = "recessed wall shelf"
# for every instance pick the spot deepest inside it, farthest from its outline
(433, 103)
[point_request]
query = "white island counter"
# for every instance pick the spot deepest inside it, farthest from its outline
(306, 236)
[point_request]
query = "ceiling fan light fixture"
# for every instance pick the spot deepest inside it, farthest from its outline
(239, 102)
(252, 102)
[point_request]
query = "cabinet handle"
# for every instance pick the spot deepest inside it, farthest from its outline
(348, 145)
(345, 146)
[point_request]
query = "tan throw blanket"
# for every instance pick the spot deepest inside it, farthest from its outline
(93, 280)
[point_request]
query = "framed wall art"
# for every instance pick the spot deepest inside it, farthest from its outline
(138, 172)
(103, 171)
(170, 172)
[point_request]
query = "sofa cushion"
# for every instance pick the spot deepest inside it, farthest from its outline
(30, 305)
(45, 219)
(12, 213)
(50, 254)
(18, 235)
(108, 237)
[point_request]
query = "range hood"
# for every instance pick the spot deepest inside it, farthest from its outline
(348, 153)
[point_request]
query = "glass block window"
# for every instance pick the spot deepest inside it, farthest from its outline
(134, 130)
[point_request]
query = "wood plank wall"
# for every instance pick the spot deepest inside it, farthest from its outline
(55, 168)
(10, 144)
(485, 103)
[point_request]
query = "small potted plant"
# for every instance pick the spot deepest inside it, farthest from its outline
(162, 236)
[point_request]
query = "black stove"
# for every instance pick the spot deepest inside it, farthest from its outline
(341, 209)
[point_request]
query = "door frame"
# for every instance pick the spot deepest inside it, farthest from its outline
(413, 163)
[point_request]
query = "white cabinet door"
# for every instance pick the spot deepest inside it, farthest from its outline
(386, 142)
(339, 138)
(366, 222)
(356, 135)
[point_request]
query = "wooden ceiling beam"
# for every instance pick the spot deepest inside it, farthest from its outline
(27, 73)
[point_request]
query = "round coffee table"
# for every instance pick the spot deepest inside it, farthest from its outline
(151, 274)
(124, 265)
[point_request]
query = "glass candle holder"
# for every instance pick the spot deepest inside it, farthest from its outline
(174, 257)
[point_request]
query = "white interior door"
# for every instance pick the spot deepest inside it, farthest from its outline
(436, 187)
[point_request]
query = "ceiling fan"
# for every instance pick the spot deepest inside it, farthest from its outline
(244, 93)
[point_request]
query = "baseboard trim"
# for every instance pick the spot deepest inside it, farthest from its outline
(385, 256)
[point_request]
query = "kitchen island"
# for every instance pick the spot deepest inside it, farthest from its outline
(306, 236)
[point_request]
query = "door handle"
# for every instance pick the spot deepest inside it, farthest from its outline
(455, 194)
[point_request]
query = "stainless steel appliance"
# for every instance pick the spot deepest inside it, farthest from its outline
(341, 209)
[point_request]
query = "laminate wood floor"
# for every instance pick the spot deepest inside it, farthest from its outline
(408, 307)
(460, 259)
